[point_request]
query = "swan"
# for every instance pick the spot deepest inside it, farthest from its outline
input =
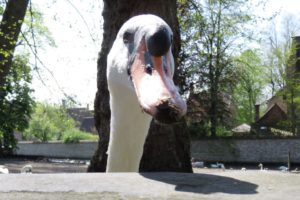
(3, 170)
(283, 168)
(27, 169)
(140, 69)
(218, 165)
(198, 164)
(261, 166)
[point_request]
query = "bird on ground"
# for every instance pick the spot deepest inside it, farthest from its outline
(218, 165)
(283, 168)
(261, 167)
(198, 164)
(27, 169)
(3, 170)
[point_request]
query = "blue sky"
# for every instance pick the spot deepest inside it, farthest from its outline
(76, 27)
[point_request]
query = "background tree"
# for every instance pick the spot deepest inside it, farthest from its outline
(283, 68)
(15, 100)
(166, 147)
(10, 28)
(212, 34)
(249, 89)
(15, 72)
(16, 106)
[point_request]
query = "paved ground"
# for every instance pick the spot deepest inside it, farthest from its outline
(65, 179)
(221, 185)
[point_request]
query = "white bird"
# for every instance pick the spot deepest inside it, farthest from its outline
(140, 68)
(261, 166)
(214, 165)
(296, 170)
(218, 165)
(198, 164)
(3, 170)
(283, 168)
(27, 169)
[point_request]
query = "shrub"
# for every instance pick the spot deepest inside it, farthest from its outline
(75, 135)
(48, 122)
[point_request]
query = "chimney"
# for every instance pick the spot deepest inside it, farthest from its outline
(256, 112)
(88, 106)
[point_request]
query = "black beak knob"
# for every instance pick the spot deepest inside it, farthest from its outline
(159, 42)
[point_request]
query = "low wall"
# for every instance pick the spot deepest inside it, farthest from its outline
(84, 149)
(209, 150)
(246, 150)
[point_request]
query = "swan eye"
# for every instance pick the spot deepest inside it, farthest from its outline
(128, 37)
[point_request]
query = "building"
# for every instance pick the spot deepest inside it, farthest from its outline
(84, 118)
(275, 114)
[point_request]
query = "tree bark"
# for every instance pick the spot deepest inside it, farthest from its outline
(167, 147)
(10, 29)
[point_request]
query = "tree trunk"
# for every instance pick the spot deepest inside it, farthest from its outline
(213, 112)
(10, 29)
(167, 147)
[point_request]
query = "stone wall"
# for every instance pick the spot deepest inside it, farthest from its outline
(246, 150)
(209, 150)
(84, 149)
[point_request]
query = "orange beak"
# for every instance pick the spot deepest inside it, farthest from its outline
(155, 89)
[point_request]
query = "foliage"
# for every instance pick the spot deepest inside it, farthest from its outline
(35, 34)
(15, 95)
(211, 34)
(199, 130)
(284, 77)
(291, 91)
(51, 122)
(75, 135)
(223, 131)
(16, 106)
(249, 89)
(198, 115)
(280, 51)
(48, 122)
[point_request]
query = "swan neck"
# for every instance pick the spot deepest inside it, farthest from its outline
(129, 128)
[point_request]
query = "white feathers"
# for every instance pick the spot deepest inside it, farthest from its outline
(27, 169)
(3, 170)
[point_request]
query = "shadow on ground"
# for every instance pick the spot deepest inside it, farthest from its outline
(203, 183)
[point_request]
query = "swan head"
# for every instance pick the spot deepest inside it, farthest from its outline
(141, 60)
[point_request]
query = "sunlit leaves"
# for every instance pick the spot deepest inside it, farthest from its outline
(250, 87)
(16, 107)
(214, 32)
(49, 122)
(34, 29)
